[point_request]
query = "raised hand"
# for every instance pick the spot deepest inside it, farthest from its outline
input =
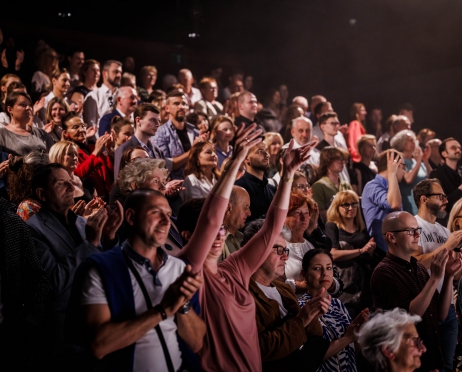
(201, 138)
(79, 208)
(40, 104)
(92, 207)
(453, 265)
(316, 307)
(418, 154)
(393, 164)
(454, 240)
(174, 187)
(48, 127)
(356, 324)
(293, 158)
(115, 218)
(245, 139)
(438, 264)
(100, 143)
(91, 131)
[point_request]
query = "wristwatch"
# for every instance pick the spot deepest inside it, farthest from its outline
(185, 308)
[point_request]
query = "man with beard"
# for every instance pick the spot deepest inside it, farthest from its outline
(261, 193)
(431, 200)
(447, 173)
(176, 136)
(101, 101)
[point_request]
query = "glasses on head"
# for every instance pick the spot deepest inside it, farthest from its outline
(280, 250)
(440, 196)
(410, 231)
(223, 230)
(350, 205)
(416, 341)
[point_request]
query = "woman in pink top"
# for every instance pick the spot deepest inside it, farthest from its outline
(356, 129)
(227, 307)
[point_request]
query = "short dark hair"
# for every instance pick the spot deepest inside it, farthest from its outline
(188, 215)
(326, 116)
(12, 98)
(311, 254)
(142, 110)
(68, 116)
(42, 177)
(423, 188)
(15, 85)
(127, 154)
(382, 162)
(442, 147)
(318, 108)
(175, 93)
(137, 199)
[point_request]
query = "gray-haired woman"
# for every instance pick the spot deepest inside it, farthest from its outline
(390, 342)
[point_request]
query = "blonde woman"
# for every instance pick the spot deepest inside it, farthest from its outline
(353, 250)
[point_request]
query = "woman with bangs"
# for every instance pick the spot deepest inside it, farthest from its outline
(201, 171)
(353, 250)
(56, 109)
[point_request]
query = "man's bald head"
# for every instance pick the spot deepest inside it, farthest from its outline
(395, 221)
(237, 194)
(238, 209)
(302, 102)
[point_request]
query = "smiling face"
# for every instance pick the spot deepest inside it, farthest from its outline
(71, 159)
(127, 100)
(275, 146)
(57, 112)
(61, 84)
(208, 157)
(224, 132)
(319, 273)
(217, 246)
(76, 130)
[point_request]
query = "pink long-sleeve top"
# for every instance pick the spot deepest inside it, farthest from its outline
(355, 131)
(227, 307)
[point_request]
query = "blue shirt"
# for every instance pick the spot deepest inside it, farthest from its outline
(375, 208)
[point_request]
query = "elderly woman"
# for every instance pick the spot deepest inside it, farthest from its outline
(353, 250)
(19, 138)
(201, 171)
(94, 163)
(222, 135)
(366, 169)
(337, 326)
(416, 163)
(390, 342)
(21, 170)
(331, 164)
(56, 109)
(274, 143)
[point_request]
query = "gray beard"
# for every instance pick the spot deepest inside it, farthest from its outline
(436, 211)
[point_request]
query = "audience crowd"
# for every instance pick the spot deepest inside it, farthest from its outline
(199, 227)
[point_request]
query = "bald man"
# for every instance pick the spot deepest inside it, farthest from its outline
(235, 218)
(401, 281)
(185, 78)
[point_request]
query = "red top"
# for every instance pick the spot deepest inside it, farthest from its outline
(97, 168)
(355, 131)
(227, 307)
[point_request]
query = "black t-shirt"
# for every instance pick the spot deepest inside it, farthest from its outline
(184, 138)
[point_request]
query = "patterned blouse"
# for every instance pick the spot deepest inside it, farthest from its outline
(334, 325)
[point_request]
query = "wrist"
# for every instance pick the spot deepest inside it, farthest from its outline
(161, 311)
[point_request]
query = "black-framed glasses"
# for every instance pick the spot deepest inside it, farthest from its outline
(302, 186)
(350, 205)
(417, 342)
(280, 250)
(410, 231)
(440, 196)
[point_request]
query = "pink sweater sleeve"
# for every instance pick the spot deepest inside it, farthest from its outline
(250, 257)
(210, 220)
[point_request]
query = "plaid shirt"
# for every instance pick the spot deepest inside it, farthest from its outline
(168, 141)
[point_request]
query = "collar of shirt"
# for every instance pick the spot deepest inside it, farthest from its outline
(146, 263)
(147, 147)
(407, 265)
(382, 180)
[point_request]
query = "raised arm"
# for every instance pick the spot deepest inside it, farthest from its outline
(254, 253)
(215, 205)
(393, 195)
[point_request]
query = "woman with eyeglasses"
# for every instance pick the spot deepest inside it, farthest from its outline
(416, 166)
(19, 137)
(95, 162)
(390, 342)
(331, 163)
(337, 326)
(201, 171)
(353, 250)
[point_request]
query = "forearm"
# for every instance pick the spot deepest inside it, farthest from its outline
(419, 305)
(179, 161)
(394, 195)
(191, 329)
(281, 199)
(410, 176)
(336, 346)
(426, 259)
(345, 255)
(444, 299)
(110, 337)
(428, 167)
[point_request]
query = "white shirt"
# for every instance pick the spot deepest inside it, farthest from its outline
(294, 263)
(315, 154)
(196, 188)
(433, 236)
(194, 96)
(149, 355)
(97, 103)
(273, 294)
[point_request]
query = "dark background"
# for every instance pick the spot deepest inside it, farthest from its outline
(396, 52)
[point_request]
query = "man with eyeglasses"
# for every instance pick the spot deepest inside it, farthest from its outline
(381, 196)
(432, 204)
(401, 281)
(289, 336)
(448, 173)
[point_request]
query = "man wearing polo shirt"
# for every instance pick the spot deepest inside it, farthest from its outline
(401, 281)
(135, 298)
(432, 203)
